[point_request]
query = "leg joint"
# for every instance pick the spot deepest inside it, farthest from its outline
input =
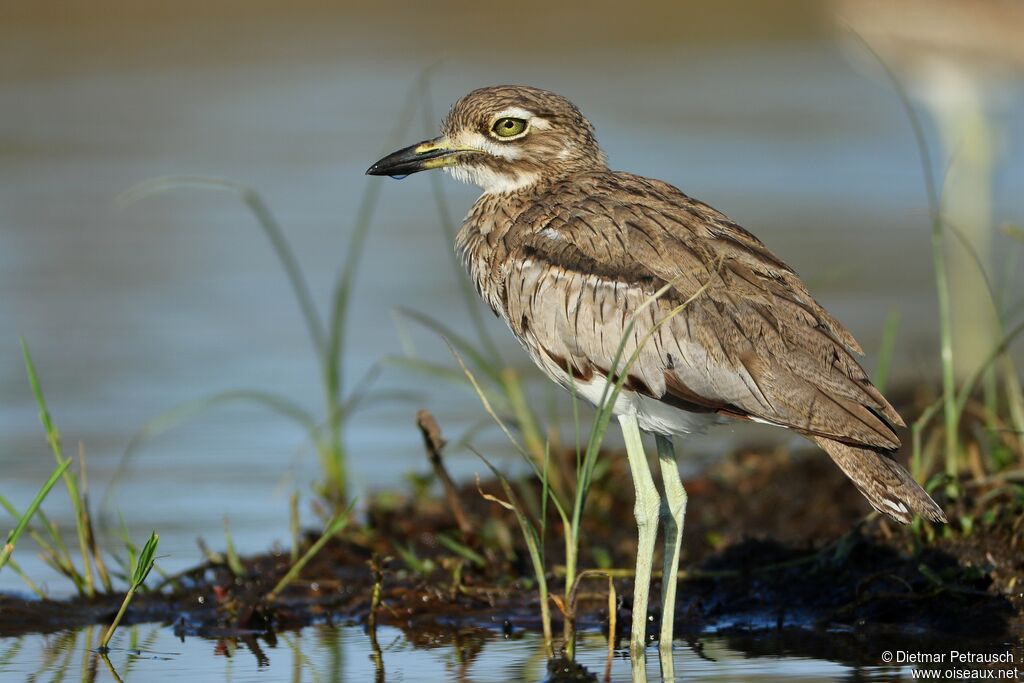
(647, 511)
(674, 508)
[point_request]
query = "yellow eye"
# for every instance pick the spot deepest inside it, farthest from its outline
(508, 127)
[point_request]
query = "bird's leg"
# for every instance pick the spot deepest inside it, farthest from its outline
(673, 511)
(639, 666)
(646, 510)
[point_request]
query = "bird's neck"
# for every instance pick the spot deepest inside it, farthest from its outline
(483, 242)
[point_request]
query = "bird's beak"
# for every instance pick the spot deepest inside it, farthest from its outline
(436, 153)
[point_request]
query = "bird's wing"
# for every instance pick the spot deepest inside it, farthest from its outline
(750, 341)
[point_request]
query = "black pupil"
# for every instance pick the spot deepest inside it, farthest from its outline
(510, 124)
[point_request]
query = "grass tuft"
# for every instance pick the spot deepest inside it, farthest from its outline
(326, 431)
(24, 518)
(140, 569)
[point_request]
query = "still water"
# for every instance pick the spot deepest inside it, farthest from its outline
(330, 654)
(131, 311)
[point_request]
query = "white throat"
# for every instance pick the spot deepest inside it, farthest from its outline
(491, 182)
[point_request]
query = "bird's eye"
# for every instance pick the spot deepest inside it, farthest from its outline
(508, 127)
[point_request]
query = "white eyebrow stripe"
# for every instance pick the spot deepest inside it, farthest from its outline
(516, 113)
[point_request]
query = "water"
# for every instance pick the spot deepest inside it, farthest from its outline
(132, 311)
(335, 654)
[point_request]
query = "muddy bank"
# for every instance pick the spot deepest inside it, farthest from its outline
(775, 543)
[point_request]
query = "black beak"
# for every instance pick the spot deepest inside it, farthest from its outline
(424, 156)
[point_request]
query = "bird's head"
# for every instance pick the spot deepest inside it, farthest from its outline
(504, 138)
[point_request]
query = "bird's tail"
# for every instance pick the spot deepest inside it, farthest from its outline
(888, 487)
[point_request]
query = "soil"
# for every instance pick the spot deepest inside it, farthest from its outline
(775, 543)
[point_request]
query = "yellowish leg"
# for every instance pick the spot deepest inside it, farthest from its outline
(646, 510)
(668, 666)
(673, 511)
(639, 662)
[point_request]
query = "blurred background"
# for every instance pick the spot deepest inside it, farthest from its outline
(773, 112)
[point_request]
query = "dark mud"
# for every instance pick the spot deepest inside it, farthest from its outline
(775, 544)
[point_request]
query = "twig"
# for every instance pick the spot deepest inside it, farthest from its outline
(90, 534)
(435, 443)
(371, 619)
(294, 524)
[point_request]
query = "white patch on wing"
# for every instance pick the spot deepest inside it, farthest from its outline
(897, 506)
(551, 234)
(766, 422)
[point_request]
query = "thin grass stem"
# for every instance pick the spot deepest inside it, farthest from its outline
(234, 563)
(23, 520)
(529, 533)
(32, 585)
(950, 414)
(331, 529)
(140, 570)
(53, 438)
(294, 525)
(887, 348)
(447, 223)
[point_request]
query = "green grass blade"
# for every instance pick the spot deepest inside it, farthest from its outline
(234, 564)
(410, 559)
(19, 529)
(140, 571)
(53, 438)
(62, 555)
(501, 424)
(26, 579)
(464, 346)
(146, 560)
(447, 223)
(887, 348)
(950, 414)
(427, 368)
(44, 545)
(526, 420)
(529, 533)
(332, 454)
(354, 252)
(606, 407)
(461, 550)
(294, 525)
(267, 222)
(331, 529)
(190, 409)
(993, 355)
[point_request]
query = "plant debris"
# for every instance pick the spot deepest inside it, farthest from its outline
(774, 542)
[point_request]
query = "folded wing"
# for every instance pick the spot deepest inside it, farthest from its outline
(733, 331)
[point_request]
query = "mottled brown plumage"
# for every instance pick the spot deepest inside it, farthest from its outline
(568, 251)
(590, 267)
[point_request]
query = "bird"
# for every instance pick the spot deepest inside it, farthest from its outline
(590, 266)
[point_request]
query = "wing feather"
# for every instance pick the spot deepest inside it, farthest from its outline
(753, 343)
